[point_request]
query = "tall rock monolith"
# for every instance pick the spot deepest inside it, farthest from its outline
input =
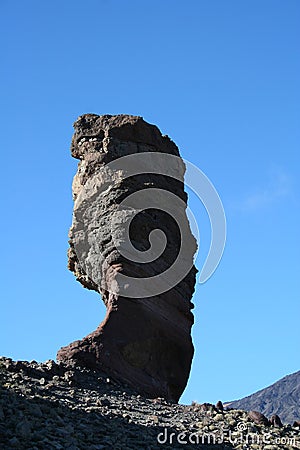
(130, 240)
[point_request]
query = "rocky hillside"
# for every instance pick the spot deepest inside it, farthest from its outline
(63, 407)
(281, 398)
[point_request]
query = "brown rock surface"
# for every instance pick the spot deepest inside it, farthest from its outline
(258, 418)
(146, 278)
(219, 406)
(276, 421)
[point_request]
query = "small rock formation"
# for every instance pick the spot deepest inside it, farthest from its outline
(219, 406)
(145, 337)
(258, 418)
(276, 421)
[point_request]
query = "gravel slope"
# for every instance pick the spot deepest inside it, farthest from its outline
(50, 406)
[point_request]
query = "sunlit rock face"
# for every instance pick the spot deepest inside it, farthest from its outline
(130, 240)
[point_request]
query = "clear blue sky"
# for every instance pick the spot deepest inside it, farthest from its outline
(221, 78)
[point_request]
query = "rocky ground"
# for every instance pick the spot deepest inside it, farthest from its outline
(50, 406)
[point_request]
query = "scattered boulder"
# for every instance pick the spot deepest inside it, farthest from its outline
(219, 406)
(207, 407)
(258, 418)
(276, 421)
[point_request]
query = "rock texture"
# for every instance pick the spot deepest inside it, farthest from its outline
(281, 398)
(144, 339)
(49, 406)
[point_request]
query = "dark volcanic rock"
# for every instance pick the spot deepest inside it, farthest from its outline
(276, 421)
(146, 277)
(258, 418)
(219, 406)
